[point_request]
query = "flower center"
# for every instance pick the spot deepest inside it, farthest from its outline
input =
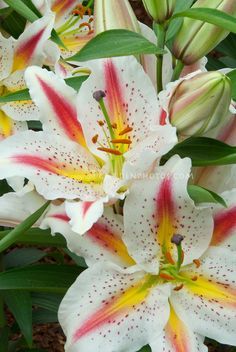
(76, 27)
(116, 143)
(171, 270)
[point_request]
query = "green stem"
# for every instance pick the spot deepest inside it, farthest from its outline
(179, 250)
(90, 3)
(107, 118)
(161, 45)
(177, 71)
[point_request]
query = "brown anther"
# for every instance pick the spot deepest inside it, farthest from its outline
(194, 278)
(197, 263)
(101, 123)
(121, 141)
(85, 24)
(114, 125)
(91, 19)
(88, 11)
(110, 151)
(95, 139)
(166, 276)
(126, 130)
(178, 288)
(169, 258)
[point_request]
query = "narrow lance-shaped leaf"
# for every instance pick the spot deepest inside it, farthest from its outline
(12, 236)
(213, 16)
(116, 42)
(204, 151)
(37, 237)
(203, 195)
(40, 278)
(20, 305)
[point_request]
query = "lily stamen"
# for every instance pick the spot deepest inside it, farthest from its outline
(121, 141)
(110, 151)
(126, 130)
(178, 288)
(95, 139)
(197, 263)
(166, 277)
(169, 258)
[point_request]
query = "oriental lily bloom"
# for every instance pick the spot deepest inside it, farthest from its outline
(91, 152)
(17, 55)
(73, 24)
(180, 290)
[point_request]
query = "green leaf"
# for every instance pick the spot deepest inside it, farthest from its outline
(145, 349)
(40, 278)
(203, 151)
(213, 16)
(47, 301)
(116, 42)
(78, 260)
(13, 235)
(39, 237)
(14, 24)
(20, 95)
(176, 23)
(20, 305)
(22, 9)
(4, 336)
(43, 316)
(26, 11)
(203, 195)
(16, 96)
(232, 76)
(22, 257)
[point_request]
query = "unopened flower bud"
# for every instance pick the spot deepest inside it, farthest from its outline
(200, 103)
(114, 14)
(196, 38)
(159, 10)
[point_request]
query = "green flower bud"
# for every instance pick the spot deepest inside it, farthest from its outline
(200, 103)
(114, 14)
(159, 10)
(196, 38)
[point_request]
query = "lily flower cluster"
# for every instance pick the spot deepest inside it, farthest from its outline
(161, 269)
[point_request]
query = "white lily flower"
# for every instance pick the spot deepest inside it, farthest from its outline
(89, 151)
(180, 291)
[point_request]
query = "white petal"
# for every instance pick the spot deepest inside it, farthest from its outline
(107, 309)
(158, 208)
(84, 214)
(208, 305)
(103, 242)
(59, 169)
(6, 56)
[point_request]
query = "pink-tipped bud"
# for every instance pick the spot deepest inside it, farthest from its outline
(200, 103)
(196, 38)
(159, 10)
(114, 14)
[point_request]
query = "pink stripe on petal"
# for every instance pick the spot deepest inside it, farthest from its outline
(65, 112)
(25, 52)
(60, 6)
(62, 217)
(86, 207)
(224, 224)
(114, 95)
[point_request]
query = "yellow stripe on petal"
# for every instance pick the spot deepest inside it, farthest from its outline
(120, 305)
(60, 169)
(210, 290)
(5, 125)
(177, 333)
